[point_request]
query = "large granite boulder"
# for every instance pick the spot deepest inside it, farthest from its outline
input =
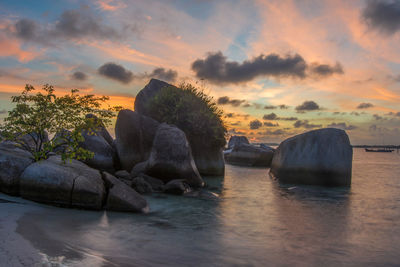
(208, 158)
(134, 137)
(237, 140)
(99, 141)
(121, 197)
(249, 155)
(69, 184)
(177, 187)
(147, 93)
(171, 157)
(319, 157)
(13, 161)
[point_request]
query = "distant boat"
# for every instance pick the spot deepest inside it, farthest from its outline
(379, 150)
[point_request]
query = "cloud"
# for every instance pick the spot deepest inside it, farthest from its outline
(269, 107)
(377, 117)
(225, 100)
(79, 76)
(325, 70)
(217, 69)
(342, 125)
(164, 74)
(283, 106)
(275, 132)
(235, 132)
(397, 114)
(255, 124)
(3, 111)
(116, 72)
(307, 106)
(382, 15)
(305, 124)
(365, 105)
(270, 124)
(271, 116)
(72, 24)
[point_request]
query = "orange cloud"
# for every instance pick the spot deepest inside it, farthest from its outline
(110, 5)
(10, 47)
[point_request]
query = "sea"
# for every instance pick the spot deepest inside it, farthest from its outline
(253, 221)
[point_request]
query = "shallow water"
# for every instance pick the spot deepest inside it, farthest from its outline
(255, 222)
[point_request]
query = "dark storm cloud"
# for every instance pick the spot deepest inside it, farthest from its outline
(217, 69)
(325, 69)
(225, 100)
(377, 117)
(164, 74)
(342, 125)
(116, 72)
(283, 106)
(396, 114)
(275, 132)
(383, 15)
(305, 124)
(255, 124)
(365, 105)
(307, 106)
(271, 124)
(80, 76)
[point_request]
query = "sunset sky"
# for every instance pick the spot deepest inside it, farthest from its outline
(277, 68)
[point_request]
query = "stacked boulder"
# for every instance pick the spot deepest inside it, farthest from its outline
(241, 152)
(208, 158)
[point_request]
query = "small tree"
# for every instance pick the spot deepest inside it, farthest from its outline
(37, 116)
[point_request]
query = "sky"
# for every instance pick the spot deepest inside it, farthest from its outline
(276, 68)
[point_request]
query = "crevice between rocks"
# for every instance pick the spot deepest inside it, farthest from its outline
(72, 191)
(107, 188)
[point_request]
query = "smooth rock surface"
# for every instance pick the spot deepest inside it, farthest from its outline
(72, 184)
(319, 157)
(141, 186)
(147, 93)
(171, 157)
(248, 155)
(134, 137)
(13, 161)
(122, 197)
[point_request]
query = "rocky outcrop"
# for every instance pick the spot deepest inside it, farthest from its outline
(248, 155)
(13, 161)
(134, 137)
(122, 197)
(147, 93)
(208, 158)
(171, 157)
(99, 141)
(69, 184)
(319, 157)
(237, 140)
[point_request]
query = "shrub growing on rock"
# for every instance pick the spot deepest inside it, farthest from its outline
(38, 116)
(191, 110)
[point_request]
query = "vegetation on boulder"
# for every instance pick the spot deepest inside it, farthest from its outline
(37, 116)
(191, 110)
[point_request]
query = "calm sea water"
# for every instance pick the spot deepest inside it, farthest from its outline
(255, 222)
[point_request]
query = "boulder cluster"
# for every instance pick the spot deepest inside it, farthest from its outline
(146, 156)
